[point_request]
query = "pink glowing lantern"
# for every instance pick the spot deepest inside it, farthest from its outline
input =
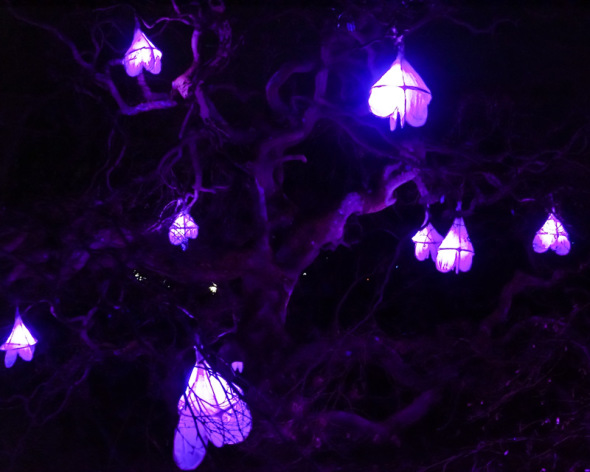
(20, 342)
(455, 251)
(552, 235)
(427, 241)
(142, 54)
(211, 410)
(400, 92)
(182, 229)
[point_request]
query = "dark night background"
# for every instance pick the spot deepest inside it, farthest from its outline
(357, 356)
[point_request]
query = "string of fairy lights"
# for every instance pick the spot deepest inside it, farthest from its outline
(212, 409)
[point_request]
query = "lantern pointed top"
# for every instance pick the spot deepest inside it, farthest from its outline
(182, 229)
(142, 54)
(552, 235)
(20, 342)
(402, 93)
(211, 410)
(455, 251)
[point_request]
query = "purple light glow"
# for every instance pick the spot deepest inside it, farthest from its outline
(552, 235)
(20, 342)
(183, 229)
(455, 251)
(400, 91)
(427, 241)
(210, 410)
(142, 54)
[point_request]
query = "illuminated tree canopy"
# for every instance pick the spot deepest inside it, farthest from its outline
(241, 132)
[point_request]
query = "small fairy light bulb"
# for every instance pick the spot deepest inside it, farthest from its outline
(142, 54)
(552, 235)
(455, 251)
(213, 288)
(20, 342)
(182, 229)
(402, 93)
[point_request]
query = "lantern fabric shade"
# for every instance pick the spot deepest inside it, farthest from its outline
(20, 342)
(400, 92)
(552, 235)
(211, 409)
(142, 54)
(455, 251)
(182, 229)
(427, 241)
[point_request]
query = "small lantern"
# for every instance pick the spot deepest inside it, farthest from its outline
(211, 409)
(142, 54)
(400, 92)
(427, 241)
(552, 235)
(20, 342)
(182, 229)
(455, 251)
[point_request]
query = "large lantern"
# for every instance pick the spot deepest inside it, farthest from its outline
(552, 235)
(400, 92)
(211, 410)
(455, 251)
(427, 241)
(142, 54)
(20, 342)
(182, 229)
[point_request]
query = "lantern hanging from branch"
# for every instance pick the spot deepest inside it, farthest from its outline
(400, 92)
(455, 251)
(211, 409)
(427, 241)
(552, 235)
(182, 229)
(142, 54)
(20, 342)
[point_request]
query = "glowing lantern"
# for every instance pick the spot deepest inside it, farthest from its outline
(401, 92)
(455, 251)
(20, 342)
(210, 410)
(142, 54)
(552, 235)
(427, 241)
(182, 229)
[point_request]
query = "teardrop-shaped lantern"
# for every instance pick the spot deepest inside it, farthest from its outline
(400, 92)
(552, 235)
(427, 241)
(455, 251)
(142, 54)
(182, 229)
(20, 342)
(211, 409)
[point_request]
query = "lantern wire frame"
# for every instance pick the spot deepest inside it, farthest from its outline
(182, 229)
(20, 342)
(211, 410)
(402, 93)
(552, 235)
(427, 241)
(142, 54)
(455, 251)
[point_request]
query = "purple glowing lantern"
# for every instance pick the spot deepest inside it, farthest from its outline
(182, 229)
(211, 410)
(427, 241)
(455, 251)
(142, 54)
(20, 342)
(400, 92)
(552, 235)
